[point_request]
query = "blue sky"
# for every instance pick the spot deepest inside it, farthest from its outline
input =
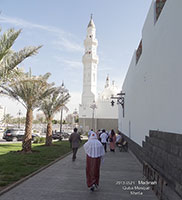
(60, 26)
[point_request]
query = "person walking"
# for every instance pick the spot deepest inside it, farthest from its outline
(90, 132)
(103, 139)
(98, 133)
(75, 141)
(112, 140)
(118, 138)
(94, 151)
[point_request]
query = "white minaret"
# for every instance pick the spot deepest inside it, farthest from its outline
(90, 61)
(95, 112)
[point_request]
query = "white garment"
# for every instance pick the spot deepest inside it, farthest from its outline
(118, 137)
(93, 148)
(103, 137)
(89, 133)
(109, 133)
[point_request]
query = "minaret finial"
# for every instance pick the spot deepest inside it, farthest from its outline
(107, 81)
(91, 23)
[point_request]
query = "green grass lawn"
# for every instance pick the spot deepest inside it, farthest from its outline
(14, 166)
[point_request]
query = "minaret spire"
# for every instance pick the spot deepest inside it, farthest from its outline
(91, 23)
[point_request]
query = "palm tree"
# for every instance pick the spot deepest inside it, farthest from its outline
(7, 119)
(50, 106)
(29, 91)
(10, 59)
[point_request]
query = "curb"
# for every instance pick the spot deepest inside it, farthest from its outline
(32, 174)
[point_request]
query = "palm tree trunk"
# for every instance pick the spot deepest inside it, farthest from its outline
(27, 141)
(49, 133)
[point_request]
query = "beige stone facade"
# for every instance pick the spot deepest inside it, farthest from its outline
(88, 123)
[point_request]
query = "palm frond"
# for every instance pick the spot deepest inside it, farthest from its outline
(54, 102)
(7, 40)
(12, 60)
(29, 90)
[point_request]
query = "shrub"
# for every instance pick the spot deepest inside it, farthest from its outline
(42, 140)
(39, 140)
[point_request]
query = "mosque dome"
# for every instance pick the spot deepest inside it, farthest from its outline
(109, 90)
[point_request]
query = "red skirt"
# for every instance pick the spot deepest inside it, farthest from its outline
(92, 171)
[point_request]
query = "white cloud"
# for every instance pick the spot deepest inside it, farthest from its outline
(73, 64)
(26, 24)
(63, 43)
(102, 68)
(69, 63)
(64, 40)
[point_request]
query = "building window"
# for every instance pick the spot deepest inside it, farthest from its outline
(139, 51)
(159, 6)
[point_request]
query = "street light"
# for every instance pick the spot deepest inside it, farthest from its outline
(61, 118)
(120, 100)
(19, 123)
(63, 91)
(93, 107)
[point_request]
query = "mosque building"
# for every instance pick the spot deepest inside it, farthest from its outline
(95, 111)
(152, 86)
(152, 120)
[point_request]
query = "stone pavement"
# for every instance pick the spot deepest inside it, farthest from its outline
(66, 180)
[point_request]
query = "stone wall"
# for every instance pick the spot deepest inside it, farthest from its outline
(107, 124)
(162, 155)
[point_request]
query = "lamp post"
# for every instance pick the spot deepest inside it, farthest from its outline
(120, 100)
(61, 119)
(93, 107)
(63, 91)
(19, 123)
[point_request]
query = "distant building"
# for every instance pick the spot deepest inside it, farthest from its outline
(95, 111)
(153, 84)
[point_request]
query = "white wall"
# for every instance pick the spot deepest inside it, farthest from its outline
(105, 110)
(153, 87)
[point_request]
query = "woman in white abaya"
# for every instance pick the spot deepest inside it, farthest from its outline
(94, 150)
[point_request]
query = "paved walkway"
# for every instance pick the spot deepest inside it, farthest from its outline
(66, 180)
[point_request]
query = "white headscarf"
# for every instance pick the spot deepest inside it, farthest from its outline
(90, 133)
(93, 148)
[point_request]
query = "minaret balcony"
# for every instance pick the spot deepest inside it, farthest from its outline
(90, 42)
(90, 58)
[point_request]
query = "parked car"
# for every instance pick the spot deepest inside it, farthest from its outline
(57, 135)
(65, 135)
(16, 134)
